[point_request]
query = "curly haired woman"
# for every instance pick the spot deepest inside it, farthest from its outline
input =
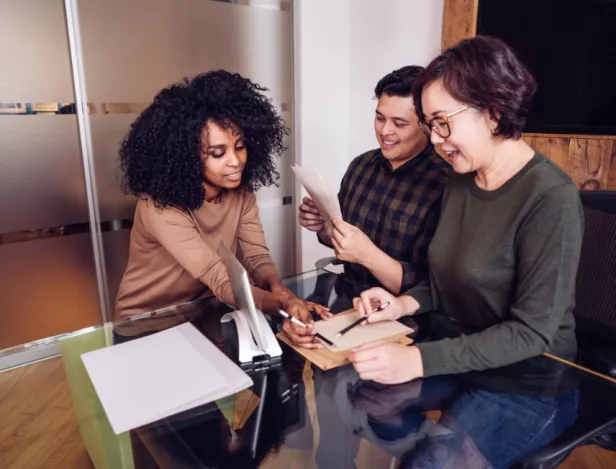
(194, 158)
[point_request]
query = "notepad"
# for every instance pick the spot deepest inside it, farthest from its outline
(359, 335)
(147, 379)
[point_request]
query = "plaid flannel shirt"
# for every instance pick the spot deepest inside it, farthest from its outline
(398, 210)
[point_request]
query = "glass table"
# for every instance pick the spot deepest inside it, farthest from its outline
(297, 416)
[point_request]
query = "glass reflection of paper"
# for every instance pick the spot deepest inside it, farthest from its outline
(325, 200)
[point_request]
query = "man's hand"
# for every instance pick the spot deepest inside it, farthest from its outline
(350, 243)
(387, 362)
(309, 216)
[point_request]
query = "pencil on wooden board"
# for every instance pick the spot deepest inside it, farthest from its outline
(360, 320)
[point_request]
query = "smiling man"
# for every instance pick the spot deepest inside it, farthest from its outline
(390, 197)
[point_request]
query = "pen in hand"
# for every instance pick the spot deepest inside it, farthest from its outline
(360, 320)
(293, 319)
(301, 324)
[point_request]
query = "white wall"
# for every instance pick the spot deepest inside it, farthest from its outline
(322, 73)
(342, 48)
(386, 35)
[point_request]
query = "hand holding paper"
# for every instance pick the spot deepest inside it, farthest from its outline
(325, 200)
(350, 243)
(310, 217)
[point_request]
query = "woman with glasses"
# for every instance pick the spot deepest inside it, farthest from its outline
(194, 158)
(502, 262)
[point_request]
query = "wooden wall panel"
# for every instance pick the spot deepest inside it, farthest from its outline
(459, 21)
(590, 160)
(555, 148)
(611, 170)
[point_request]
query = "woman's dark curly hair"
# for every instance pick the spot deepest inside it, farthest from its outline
(161, 155)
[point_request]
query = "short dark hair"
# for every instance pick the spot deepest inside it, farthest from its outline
(161, 155)
(399, 82)
(484, 73)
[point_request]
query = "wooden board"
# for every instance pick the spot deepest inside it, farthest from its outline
(359, 335)
(325, 358)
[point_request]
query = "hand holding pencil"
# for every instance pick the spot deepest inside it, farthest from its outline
(361, 320)
(371, 304)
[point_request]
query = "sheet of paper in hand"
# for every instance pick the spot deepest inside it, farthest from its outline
(390, 331)
(325, 199)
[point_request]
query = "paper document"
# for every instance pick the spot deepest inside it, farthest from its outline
(325, 199)
(387, 330)
(154, 377)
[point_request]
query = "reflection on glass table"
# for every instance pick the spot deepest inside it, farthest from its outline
(298, 416)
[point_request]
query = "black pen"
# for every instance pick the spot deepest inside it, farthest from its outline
(360, 320)
(301, 324)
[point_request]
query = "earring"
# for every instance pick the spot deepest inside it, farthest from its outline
(494, 131)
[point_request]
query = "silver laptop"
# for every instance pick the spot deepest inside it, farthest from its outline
(242, 294)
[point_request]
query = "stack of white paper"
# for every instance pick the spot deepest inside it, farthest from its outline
(147, 379)
(325, 199)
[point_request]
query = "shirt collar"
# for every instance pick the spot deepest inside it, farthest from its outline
(422, 159)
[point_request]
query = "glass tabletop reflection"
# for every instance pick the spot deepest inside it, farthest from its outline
(297, 416)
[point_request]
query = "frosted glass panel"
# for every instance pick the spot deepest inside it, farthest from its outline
(48, 288)
(108, 130)
(46, 186)
(128, 58)
(116, 245)
(134, 48)
(34, 52)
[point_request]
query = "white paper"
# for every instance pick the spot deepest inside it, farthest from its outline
(150, 378)
(325, 200)
(360, 334)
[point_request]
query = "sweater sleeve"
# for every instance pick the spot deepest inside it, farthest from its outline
(548, 244)
(422, 291)
(177, 233)
(423, 295)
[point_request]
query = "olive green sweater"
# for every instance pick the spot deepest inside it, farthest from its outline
(503, 265)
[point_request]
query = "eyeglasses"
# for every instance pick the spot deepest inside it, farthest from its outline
(440, 124)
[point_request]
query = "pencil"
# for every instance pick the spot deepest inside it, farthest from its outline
(360, 320)
(301, 324)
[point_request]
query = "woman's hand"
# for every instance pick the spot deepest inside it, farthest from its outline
(300, 309)
(290, 303)
(286, 298)
(371, 299)
(387, 362)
